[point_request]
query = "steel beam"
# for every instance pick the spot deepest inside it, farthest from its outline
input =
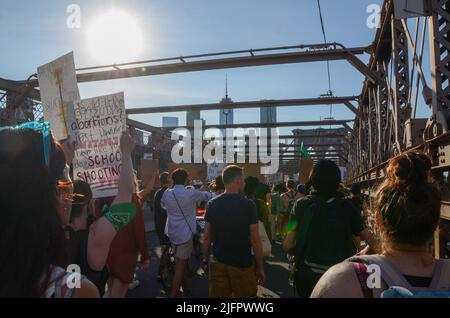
(273, 125)
(331, 135)
(312, 53)
(316, 158)
(400, 61)
(311, 152)
(439, 25)
(145, 127)
(17, 87)
(241, 105)
(343, 145)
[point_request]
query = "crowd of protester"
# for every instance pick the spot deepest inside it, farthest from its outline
(49, 221)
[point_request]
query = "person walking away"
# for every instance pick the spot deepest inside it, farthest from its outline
(161, 219)
(231, 227)
(288, 200)
(219, 187)
(355, 197)
(275, 200)
(408, 205)
(251, 186)
(324, 230)
(181, 227)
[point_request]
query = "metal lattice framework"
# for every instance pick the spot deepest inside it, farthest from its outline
(388, 125)
(385, 125)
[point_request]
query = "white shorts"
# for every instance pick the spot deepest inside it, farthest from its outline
(184, 251)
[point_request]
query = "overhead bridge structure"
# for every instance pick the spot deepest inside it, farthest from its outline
(398, 80)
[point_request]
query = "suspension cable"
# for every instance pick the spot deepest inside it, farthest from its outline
(330, 92)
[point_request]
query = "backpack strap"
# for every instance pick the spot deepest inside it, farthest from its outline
(361, 273)
(441, 276)
(60, 283)
(390, 274)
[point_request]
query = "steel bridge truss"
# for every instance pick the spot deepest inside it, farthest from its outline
(388, 125)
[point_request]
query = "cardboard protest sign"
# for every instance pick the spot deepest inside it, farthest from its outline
(148, 156)
(276, 178)
(306, 166)
(214, 170)
(148, 168)
(343, 173)
(195, 171)
(58, 87)
(96, 124)
(253, 170)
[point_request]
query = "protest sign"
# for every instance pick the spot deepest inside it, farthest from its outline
(214, 170)
(58, 88)
(276, 178)
(253, 170)
(306, 166)
(195, 171)
(343, 171)
(148, 168)
(96, 124)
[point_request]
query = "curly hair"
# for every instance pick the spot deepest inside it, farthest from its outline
(408, 201)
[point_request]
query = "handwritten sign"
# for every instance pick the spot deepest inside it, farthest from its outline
(276, 178)
(195, 171)
(58, 87)
(214, 170)
(96, 124)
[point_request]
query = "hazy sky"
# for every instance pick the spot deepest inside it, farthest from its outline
(35, 32)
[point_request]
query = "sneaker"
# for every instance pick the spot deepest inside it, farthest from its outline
(133, 284)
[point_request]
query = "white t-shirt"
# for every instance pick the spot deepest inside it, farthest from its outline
(177, 228)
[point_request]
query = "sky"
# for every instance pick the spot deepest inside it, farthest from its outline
(35, 32)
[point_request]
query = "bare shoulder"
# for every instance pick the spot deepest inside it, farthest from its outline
(340, 281)
(86, 290)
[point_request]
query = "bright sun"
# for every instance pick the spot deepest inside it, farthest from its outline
(114, 37)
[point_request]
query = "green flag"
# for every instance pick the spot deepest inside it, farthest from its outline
(304, 153)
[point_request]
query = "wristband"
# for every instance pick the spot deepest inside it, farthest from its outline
(121, 214)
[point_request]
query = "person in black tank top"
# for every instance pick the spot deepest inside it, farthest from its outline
(77, 235)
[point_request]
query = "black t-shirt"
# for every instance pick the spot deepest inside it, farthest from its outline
(230, 216)
(160, 213)
(329, 238)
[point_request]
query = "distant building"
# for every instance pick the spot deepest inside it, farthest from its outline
(169, 122)
(191, 117)
(268, 115)
(310, 139)
(226, 116)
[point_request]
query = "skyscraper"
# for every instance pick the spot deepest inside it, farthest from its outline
(268, 115)
(226, 116)
(191, 117)
(169, 122)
